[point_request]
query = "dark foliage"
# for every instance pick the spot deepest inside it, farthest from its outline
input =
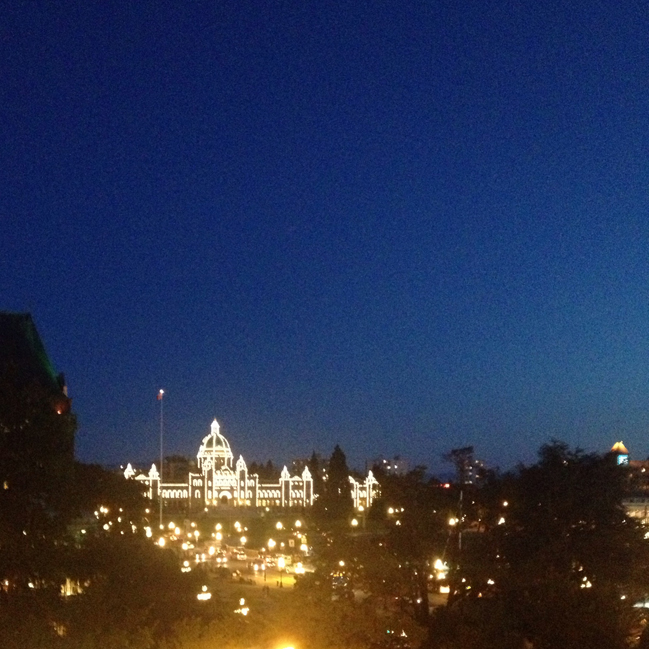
(334, 505)
(549, 558)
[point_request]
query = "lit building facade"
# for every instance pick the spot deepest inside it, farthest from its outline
(221, 481)
(636, 502)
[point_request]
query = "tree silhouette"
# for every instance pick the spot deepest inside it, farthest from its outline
(552, 561)
(334, 505)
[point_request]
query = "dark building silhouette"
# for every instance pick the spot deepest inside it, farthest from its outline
(24, 361)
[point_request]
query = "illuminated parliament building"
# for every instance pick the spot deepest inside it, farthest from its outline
(218, 482)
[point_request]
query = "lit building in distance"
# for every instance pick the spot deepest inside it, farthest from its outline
(635, 503)
(621, 453)
(220, 481)
(396, 466)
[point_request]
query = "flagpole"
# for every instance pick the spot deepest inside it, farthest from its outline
(160, 398)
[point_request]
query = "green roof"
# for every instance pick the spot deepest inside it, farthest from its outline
(21, 346)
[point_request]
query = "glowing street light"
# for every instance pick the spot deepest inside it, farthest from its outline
(204, 595)
(281, 564)
(271, 544)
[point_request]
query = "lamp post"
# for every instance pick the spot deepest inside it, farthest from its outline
(160, 395)
(280, 564)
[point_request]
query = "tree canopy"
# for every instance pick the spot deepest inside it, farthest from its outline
(553, 560)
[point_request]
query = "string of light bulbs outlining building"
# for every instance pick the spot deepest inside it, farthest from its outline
(217, 482)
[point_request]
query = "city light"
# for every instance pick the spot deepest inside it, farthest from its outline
(204, 595)
(243, 609)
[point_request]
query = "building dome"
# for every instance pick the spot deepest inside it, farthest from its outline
(619, 447)
(214, 451)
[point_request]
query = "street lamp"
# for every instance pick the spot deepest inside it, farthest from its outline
(280, 564)
(160, 396)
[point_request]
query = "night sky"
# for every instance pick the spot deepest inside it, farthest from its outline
(400, 226)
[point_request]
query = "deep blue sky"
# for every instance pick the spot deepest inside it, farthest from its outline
(399, 226)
